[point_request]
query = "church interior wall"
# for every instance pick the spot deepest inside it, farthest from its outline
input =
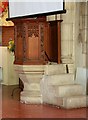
(74, 29)
(74, 37)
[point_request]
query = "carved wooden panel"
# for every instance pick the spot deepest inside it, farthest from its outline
(33, 48)
(37, 41)
(42, 29)
(29, 40)
(32, 42)
(18, 43)
(33, 29)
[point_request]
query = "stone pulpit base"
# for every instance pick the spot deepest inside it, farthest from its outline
(31, 76)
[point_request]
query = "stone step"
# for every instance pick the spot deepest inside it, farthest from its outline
(31, 93)
(31, 100)
(67, 102)
(61, 79)
(71, 68)
(67, 90)
(52, 100)
(55, 69)
(75, 102)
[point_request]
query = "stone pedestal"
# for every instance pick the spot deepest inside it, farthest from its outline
(31, 76)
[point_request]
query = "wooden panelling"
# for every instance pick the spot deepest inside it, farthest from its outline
(29, 41)
(33, 48)
(53, 41)
(7, 34)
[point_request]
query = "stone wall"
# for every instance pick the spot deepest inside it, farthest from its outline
(81, 37)
(74, 37)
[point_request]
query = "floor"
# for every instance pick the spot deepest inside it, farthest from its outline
(12, 108)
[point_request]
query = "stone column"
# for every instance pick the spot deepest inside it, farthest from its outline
(81, 31)
(67, 33)
(81, 42)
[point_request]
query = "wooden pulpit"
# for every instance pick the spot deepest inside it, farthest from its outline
(37, 41)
